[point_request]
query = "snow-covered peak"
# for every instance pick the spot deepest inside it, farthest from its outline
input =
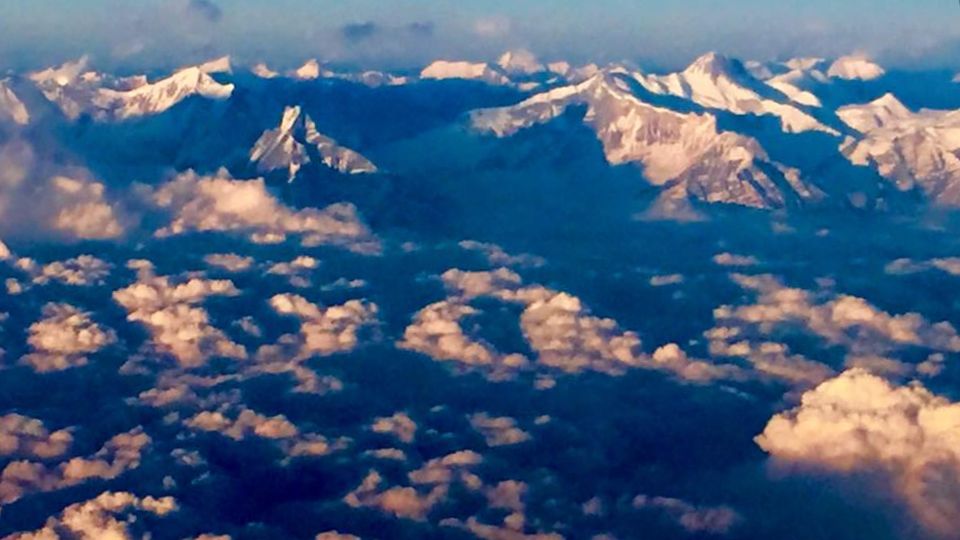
(718, 82)
(715, 65)
(77, 91)
(684, 153)
(61, 75)
(521, 62)
(160, 96)
(263, 71)
(885, 111)
(218, 65)
(855, 67)
(480, 71)
(11, 108)
(297, 142)
(309, 71)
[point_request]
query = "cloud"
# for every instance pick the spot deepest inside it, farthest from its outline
(325, 331)
(399, 425)
(25, 437)
(177, 326)
(206, 9)
(81, 271)
(247, 423)
(496, 256)
(63, 338)
(859, 422)
(57, 201)
(220, 203)
(842, 320)
(359, 31)
(433, 480)
(231, 262)
(492, 27)
(501, 431)
(557, 327)
(118, 455)
(693, 519)
(110, 515)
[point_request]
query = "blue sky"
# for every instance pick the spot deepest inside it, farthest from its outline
(905, 32)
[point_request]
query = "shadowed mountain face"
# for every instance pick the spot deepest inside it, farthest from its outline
(504, 301)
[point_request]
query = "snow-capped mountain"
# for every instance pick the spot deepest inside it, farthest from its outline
(11, 108)
(684, 153)
(297, 142)
(78, 91)
(756, 134)
(912, 149)
(477, 71)
(715, 81)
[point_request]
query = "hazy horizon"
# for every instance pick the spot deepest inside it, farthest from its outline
(163, 33)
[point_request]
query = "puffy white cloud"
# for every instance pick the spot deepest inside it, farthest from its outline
(496, 256)
(404, 502)
(436, 332)
(559, 329)
(694, 519)
(950, 265)
(63, 338)
(220, 203)
(399, 425)
(664, 280)
(325, 331)
(247, 423)
(498, 431)
(843, 320)
(109, 516)
(24, 437)
(859, 422)
(118, 455)
(298, 270)
(334, 535)
(732, 259)
(494, 532)
(177, 326)
(84, 270)
(82, 210)
(433, 481)
(230, 262)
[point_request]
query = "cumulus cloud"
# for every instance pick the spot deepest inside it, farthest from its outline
(63, 338)
(843, 320)
(436, 332)
(399, 425)
(326, 331)
(498, 431)
(732, 259)
(556, 325)
(25, 437)
(82, 210)
(118, 455)
(82, 271)
(433, 481)
(247, 423)
(220, 203)
(58, 201)
(111, 515)
(496, 256)
(231, 262)
(177, 326)
(859, 422)
(693, 519)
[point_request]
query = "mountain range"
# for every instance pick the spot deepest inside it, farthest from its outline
(804, 132)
